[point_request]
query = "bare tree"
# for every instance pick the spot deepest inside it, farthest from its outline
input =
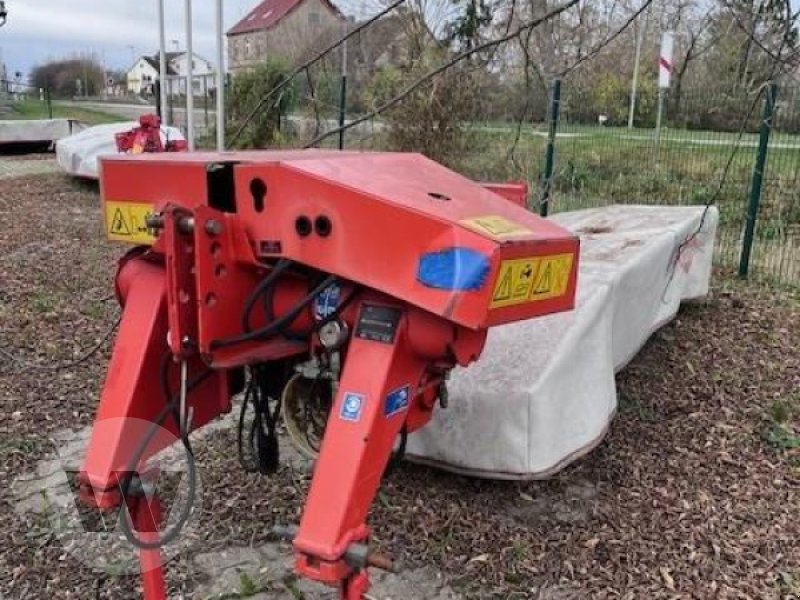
(691, 21)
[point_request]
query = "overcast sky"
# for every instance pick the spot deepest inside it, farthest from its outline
(116, 30)
(41, 29)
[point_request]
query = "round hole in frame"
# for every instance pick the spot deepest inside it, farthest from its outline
(323, 226)
(303, 226)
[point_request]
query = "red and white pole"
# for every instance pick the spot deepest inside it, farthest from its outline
(665, 65)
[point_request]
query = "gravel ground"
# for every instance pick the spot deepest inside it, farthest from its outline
(19, 165)
(695, 493)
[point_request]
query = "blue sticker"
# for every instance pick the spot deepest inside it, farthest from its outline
(460, 269)
(327, 301)
(351, 407)
(397, 401)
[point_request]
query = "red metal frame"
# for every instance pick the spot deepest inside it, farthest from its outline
(372, 217)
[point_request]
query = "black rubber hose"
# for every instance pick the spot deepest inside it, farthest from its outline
(158, 422)
(264, 285)
(276, 326)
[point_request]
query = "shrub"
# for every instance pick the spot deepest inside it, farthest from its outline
(247, 90)
(433, 119)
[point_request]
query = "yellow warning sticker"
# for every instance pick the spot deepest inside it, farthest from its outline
(496, 227)
(524, 280)
(126, 222)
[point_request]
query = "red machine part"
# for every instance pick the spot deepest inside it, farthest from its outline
(147, 138)
(245, 247)
(513, 192)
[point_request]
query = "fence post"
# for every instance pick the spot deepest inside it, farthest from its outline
(550, 156)
(170, 108)
(758, 179)
(49, 102)
(157, 97)
(342, 110)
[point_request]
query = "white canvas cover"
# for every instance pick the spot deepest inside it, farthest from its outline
(78, 154)
(37, 130)
(543, 392)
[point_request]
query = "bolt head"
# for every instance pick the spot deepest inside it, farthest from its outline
(213, 227)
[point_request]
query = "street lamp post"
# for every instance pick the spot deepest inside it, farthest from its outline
(162, 64)
(189, 78)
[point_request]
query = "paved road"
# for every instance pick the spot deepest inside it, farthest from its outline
(134, 111)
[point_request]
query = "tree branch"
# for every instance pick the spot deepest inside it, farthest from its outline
(437, 71)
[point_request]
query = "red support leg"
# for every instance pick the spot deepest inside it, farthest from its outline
(146, 517)
(359, 437)
(355, 586)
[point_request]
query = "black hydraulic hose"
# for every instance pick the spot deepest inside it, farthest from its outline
(170, 407)
(264, 285)
(276, 326)
(399, 454)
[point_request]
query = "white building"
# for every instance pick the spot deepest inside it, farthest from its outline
(145, 71)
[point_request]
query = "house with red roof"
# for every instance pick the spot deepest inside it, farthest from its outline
(280, 28)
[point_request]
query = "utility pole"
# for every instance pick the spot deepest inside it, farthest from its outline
(641, 29)
(220, 79)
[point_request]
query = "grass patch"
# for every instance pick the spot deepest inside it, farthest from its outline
(247, 587)
(781, 435)
(34, 109)
(630, 406)
(44, 302)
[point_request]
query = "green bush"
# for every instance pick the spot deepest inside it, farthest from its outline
(247, 90)
(435, 118)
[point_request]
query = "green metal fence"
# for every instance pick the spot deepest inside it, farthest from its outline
(750, 172)
(596, 164)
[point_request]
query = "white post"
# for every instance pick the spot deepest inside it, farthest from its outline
(162, 63)
(220, 79)
(189, 79)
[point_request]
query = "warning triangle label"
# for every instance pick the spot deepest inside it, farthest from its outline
(503, 289)
(118, 224)
(127, 221)
(533, 279)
